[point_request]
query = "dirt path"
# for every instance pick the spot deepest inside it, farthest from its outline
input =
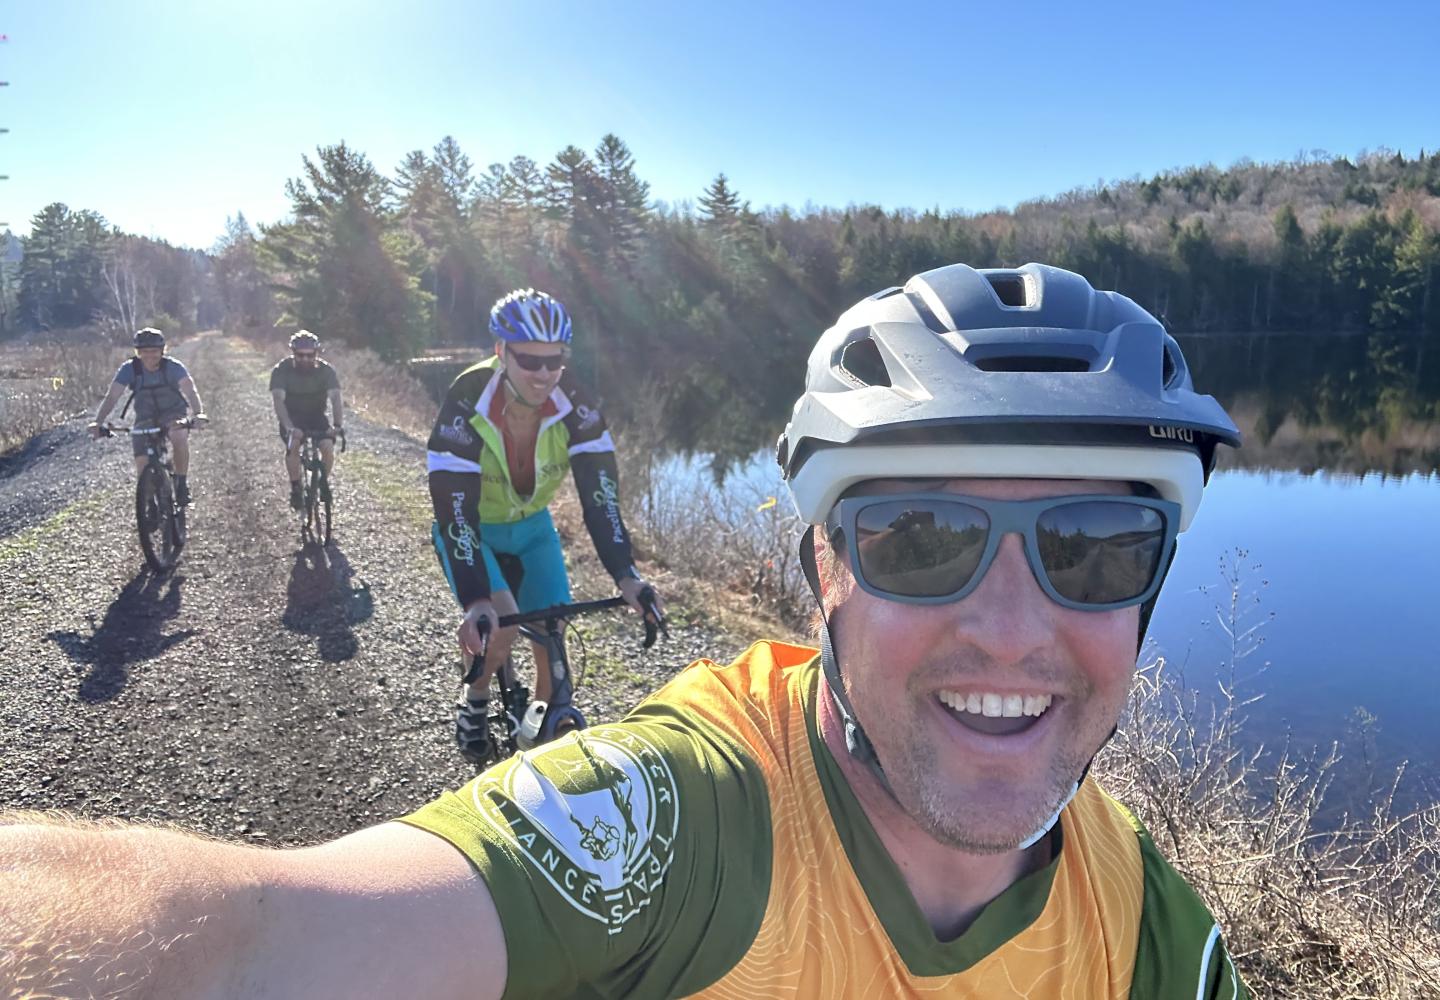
(260, 691)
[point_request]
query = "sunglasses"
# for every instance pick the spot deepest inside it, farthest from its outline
(305, 355)
(534, 362)
(1091, 553)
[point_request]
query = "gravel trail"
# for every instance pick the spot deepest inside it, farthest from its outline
(261, 692)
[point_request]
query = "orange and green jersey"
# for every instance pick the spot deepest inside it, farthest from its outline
(709, 845)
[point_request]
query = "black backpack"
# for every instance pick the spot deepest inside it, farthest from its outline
(137, 372)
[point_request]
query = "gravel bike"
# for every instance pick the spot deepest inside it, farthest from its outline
(546, 628)
(158, 518)
(317, 507)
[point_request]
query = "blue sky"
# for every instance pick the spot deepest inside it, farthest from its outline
(167, 116)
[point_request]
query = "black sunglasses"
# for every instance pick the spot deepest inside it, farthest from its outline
(534, 362)
(1089, 552)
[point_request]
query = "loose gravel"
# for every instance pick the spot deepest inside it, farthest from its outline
(261, 692)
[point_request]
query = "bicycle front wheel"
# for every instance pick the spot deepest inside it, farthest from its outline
(154, 512)
(315, 518)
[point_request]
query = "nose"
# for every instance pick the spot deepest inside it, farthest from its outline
(1007, 615)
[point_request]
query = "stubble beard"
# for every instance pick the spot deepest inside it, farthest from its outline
(947, 813)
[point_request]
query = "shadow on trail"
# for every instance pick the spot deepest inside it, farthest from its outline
(133, 630)
(322, 600)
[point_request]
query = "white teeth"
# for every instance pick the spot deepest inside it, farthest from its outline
(995, 705)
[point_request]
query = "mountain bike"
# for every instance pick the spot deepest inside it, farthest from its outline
(545, 628)
(318, 507)
(158, 518)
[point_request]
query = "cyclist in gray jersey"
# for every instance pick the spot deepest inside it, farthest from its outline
(162, 393)
(301, 386)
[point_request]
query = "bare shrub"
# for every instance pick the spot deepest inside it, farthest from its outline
(1315, 902)
(739, 535)
(44, 384)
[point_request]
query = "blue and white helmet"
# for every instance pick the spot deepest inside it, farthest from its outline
(526, 314)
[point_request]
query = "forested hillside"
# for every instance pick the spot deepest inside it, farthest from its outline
(709, 307)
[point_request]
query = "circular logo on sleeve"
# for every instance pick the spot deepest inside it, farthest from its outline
(595, 814)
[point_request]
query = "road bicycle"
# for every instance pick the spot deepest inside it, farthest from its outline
(317, 507)
(546, 628)
(158, 518)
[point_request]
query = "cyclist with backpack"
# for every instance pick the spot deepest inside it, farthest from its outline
(162, 392)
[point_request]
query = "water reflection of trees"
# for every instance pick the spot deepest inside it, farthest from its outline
(1356, 404)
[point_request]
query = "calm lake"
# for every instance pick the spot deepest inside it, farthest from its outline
(1329, 522)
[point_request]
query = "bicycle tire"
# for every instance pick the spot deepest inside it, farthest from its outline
(327, 504)
(152, 519)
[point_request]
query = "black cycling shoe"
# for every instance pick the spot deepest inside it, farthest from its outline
(472, 730)
(297, 498)
(182, 494)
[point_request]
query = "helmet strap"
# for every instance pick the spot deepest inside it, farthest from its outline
(856, 741)
(512, 394)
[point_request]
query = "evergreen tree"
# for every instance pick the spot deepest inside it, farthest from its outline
(343, 266)
(720, 204)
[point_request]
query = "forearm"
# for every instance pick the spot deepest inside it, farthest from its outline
(106, 405)
(88, 910)
(282, 412)
(193, 398)
(338, 408)
(455, 498)
(597, 480)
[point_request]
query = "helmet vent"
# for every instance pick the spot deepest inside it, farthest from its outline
(1011, 289)
(1169, 369)
(1032, 364)
(862, 362)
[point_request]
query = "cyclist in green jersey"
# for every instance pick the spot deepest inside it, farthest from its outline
(508, 431)
(995, 466)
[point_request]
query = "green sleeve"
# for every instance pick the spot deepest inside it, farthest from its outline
(1180, 952)
(629, 860)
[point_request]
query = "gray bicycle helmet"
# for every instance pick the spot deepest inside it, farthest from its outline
(1024, 373)
(148, 337)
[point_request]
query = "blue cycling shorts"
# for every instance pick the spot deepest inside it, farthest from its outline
(534, 541)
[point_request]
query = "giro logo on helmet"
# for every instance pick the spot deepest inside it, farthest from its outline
(1173, 433)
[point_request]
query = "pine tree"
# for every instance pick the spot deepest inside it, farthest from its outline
(344, 267)
(720, 204)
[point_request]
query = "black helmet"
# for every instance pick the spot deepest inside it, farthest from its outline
(304, 340)
(148, 337)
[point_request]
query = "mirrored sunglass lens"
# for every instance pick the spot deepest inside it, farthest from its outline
(1100, 553)
(534, 362)
(920, 549)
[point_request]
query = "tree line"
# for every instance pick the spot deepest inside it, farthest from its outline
(702, 313)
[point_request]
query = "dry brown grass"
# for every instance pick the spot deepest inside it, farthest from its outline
(44, 384)
(1315, 902)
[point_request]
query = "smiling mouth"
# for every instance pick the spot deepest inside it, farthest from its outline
(995, 714)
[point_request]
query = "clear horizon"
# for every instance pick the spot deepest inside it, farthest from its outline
(166, 118)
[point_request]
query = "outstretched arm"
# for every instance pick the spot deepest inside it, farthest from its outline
(389, 911)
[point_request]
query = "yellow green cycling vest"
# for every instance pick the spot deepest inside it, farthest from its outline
(576, 425)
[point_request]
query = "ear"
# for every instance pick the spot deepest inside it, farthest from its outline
(500, 349)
